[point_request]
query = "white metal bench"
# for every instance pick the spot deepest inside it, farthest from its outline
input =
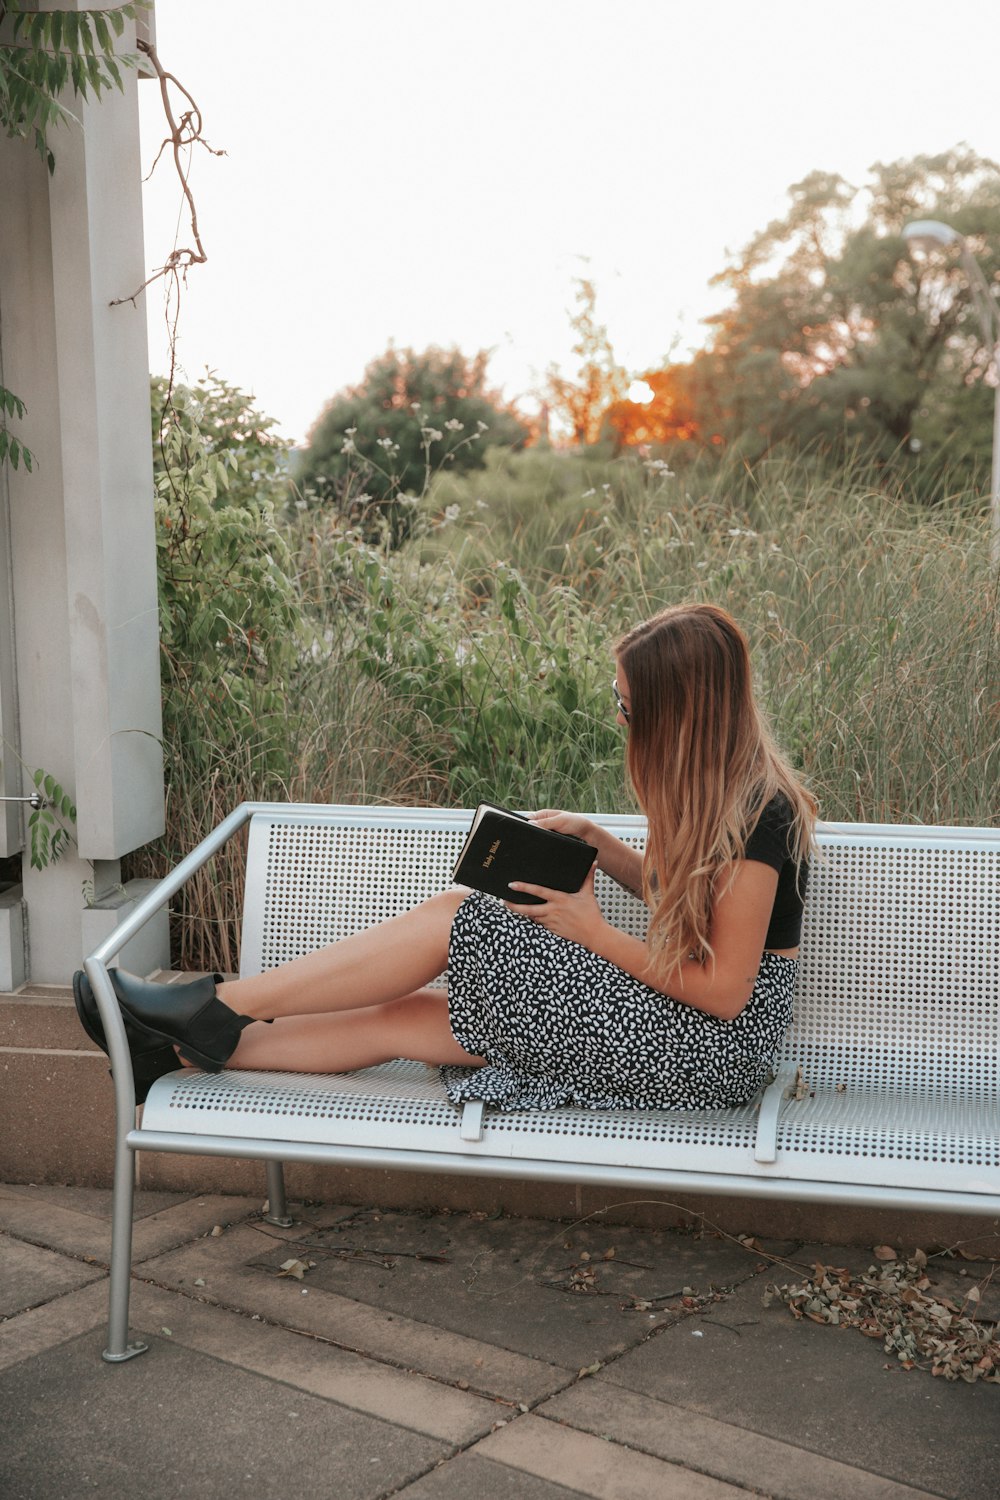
(895, 1043)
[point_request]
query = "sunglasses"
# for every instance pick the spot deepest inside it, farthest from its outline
(620, 701)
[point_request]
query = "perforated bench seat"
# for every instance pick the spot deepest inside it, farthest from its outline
(887, 1089)
(877, 1141)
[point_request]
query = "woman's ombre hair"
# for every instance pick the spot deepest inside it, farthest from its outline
(703, 764)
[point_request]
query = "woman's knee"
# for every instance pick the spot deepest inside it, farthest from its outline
(448, 902)
(422, 1008)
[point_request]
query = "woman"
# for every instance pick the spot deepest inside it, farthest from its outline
(550, 1004)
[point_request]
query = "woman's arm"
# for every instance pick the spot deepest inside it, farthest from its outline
(622, 864)
(720, 986)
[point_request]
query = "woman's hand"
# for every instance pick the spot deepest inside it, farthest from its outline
(624, 865)
(564, 822)
(570, 914)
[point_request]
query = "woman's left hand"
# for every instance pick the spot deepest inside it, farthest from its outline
(570, 914)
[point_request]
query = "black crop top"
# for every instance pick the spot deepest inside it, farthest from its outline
(769, 845)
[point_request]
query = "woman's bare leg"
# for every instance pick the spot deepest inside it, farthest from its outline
(414, 1026)
(384, 963)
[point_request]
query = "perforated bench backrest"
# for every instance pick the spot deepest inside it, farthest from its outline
(899, 980)
(899, 984)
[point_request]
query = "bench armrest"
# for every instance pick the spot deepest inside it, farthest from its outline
(96, 965)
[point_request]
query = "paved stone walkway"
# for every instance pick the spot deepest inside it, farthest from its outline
(447, 1356)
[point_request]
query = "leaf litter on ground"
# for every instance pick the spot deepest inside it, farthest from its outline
(896, 1301)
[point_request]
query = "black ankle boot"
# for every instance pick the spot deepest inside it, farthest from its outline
(188, 1016)
(151, 1059)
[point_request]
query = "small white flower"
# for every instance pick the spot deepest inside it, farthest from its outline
(454, 425)
(348, 446)
(587, 494)
(431, 434)
(452, 512)
(481, 505)
(483, 426)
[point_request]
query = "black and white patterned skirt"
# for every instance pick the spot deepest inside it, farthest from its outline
(557, 1024)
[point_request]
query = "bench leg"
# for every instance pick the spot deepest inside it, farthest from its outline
(122, 1203)
(277, 1207)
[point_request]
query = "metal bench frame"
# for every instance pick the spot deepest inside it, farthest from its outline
(895, 1043)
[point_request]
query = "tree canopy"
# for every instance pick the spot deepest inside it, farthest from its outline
(376, 444)
(837, 337)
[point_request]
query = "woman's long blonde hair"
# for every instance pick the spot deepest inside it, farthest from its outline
(704, 764)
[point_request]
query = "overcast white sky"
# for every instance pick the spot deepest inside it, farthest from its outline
(439, 173)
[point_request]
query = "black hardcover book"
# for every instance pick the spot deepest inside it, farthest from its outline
(503, 846)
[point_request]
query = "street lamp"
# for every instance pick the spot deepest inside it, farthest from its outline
(931, 234)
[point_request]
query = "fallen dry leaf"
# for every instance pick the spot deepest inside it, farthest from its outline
(296, 1268)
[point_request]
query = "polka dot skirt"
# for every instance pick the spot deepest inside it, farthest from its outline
(560, 1025)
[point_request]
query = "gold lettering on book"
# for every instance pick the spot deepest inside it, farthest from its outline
(489, 858)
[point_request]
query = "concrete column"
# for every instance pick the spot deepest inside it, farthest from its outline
(81, 542)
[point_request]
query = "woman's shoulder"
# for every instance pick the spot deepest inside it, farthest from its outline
(770, 836)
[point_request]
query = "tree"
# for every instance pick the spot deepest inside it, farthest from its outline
(42, 53)
(836, 337)
(668, 416)
(376, 444)
(600, 381)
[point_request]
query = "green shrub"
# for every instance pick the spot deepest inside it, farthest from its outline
(307, 657)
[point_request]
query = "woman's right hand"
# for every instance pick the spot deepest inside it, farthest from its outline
(564, 822)
(616, 859)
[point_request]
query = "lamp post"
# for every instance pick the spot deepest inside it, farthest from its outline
(931, 234)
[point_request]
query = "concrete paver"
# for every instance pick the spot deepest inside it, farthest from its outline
(761, 1464)
(438, 1356)
(30, 1275)
(399, 1396)
(183, 1424)
(826, 1390)
(582, 1291)
(604, 1470)
(468, 1474)
(84, 1231)
(233, 1275)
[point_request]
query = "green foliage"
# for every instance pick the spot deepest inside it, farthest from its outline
(47, 826)
(47, 51)
(838, 340)
(375, 446)
(10, 447)
(502, 697)
(475, 660)
(231, 625)
(874, 623)
(229, 426)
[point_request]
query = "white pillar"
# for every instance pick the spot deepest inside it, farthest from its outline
(79, 539)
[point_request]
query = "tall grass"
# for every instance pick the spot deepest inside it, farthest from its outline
(476, 661)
